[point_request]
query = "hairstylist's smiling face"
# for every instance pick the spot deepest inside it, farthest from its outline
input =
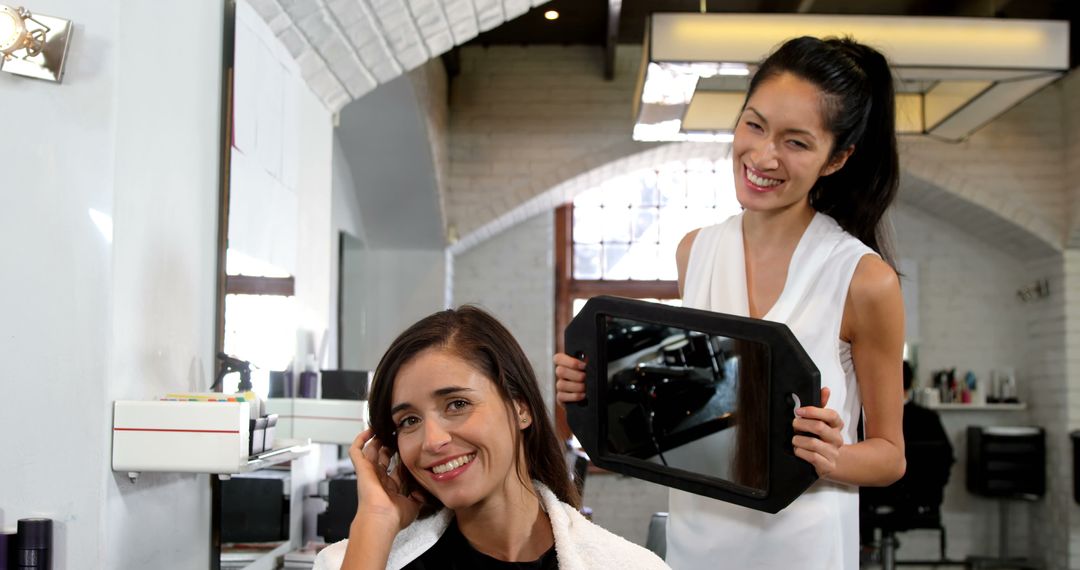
(781, 144)
(454, 430)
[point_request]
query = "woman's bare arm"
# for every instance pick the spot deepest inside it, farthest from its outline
(874, 325)
(682, 257)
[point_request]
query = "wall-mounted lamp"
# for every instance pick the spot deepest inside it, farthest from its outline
(1037, 290)
(33, 45)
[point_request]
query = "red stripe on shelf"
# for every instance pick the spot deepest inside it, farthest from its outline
(178, 430)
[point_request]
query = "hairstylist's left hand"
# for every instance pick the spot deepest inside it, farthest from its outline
(822, 451)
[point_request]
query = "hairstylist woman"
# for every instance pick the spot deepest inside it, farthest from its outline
(815, 165)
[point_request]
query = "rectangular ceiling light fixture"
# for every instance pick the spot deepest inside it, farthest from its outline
(953, 75)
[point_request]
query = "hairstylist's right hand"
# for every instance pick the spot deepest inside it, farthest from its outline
(379, 493)
(569, 378)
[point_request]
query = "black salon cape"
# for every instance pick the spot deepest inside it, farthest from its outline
(453, 552)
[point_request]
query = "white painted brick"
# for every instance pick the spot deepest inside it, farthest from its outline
(361, 31)
(293, 41)
(511, 275)
(346, 12)
(410, 32)
(299, 9)
(378, 59)
(515, 8)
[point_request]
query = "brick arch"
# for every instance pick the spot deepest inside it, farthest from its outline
(998, 218)
(346, 49)
(561, 185)
(924, 185)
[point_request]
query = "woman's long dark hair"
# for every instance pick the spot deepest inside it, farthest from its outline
(860, 112)
(483, 342)
(751, 464)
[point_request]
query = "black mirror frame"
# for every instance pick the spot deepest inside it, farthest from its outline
(791, 371)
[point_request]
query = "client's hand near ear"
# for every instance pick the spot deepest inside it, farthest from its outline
(822, 451)
(382, 511)
(379, 493)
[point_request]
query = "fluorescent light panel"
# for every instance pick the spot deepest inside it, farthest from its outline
(954, 74)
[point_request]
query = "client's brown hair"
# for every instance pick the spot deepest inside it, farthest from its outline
(483, 342)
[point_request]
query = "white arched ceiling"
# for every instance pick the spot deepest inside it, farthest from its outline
(346, 48)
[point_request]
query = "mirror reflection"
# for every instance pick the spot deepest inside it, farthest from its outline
(688, 400)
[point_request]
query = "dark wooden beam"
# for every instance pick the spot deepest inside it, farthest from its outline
(783, 6)
(248, 285)
(564, 254)
(634, 289)
(612, 40)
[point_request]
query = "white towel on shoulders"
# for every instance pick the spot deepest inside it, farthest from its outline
(579, 543)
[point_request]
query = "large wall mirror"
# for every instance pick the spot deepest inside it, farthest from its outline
(692, 399)
(332, 234)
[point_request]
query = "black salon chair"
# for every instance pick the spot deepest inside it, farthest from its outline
(913, 502)
(1008, 464)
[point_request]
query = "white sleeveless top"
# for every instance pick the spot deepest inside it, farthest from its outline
(820, 530)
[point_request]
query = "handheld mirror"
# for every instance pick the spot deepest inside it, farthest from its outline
(692, 399)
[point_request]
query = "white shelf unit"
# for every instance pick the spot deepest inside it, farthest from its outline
(321, 421)
(190, 437)
(291, 449)
(206, 437)
(300, 473)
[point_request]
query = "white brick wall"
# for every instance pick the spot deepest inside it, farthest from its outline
(970, 319)
(1070, 87)
(1021, 149)
(512, 276)
(968, 309)
(524, 119)
(1063, 488)
(1050, 407)
(431, 88)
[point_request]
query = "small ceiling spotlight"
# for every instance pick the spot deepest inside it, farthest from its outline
(552, 14)
(33, 45)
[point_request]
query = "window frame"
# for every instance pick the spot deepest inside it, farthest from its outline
(567, 289)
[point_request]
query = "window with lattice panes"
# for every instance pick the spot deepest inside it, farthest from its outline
(628, 227)
(619, 238)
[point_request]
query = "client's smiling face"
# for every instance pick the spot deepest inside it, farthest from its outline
(455, 432)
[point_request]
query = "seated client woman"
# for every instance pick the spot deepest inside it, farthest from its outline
(461, 468)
